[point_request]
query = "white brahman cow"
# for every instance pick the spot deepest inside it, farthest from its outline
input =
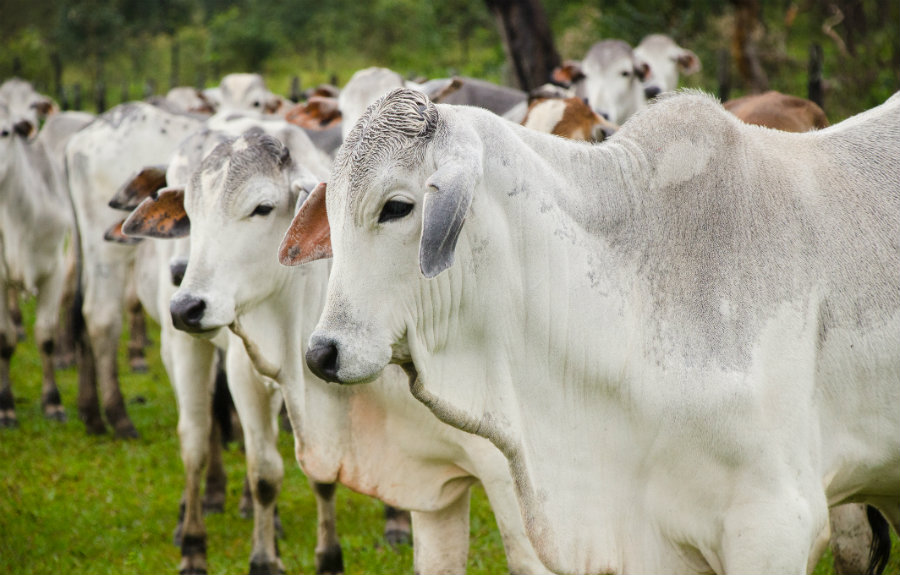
(35, 218)
(684, 339)
(257, 402)
(609, 78)
(665, 60)
(377, 440)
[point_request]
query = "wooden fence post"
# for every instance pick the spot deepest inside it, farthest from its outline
(814, 89)
(724, 74)
(295, 94)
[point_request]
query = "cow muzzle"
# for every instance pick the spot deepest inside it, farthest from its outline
(322, 359)
(187, 313)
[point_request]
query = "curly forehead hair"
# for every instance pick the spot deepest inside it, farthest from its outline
(254, 152)
(394, 129)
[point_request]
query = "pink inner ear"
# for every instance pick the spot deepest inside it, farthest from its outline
(309, 237)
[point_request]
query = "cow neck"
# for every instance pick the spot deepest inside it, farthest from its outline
(521, 353)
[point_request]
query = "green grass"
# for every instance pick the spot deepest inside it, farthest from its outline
(71, 503)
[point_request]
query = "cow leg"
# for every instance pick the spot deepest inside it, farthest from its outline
(216, 478)
(8, 339)
(102, 309)
(766, 534)
(329, 557)
(15, 313)
(189, 363)
(852, 538)
(397, 526)
(258, 406)
(137, 332)
(46, 321)
(65, 332)
(441, 538)
(88, 399)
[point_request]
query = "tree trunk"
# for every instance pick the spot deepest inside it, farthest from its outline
(746, 26)
(527, 40)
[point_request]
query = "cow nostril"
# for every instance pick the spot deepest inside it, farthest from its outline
(652, 92)
(322, 359)
(178, 269)
(187, 313)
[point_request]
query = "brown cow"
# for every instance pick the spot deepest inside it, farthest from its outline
(779, 111)
(567, 117)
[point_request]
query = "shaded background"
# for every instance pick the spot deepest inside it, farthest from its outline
(94, 53)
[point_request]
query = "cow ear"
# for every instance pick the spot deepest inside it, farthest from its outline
(141, 186)
(309, 237)
(642, 70)
(688, 62)
(447, 202)
(160, 216)
(567, 74)
(44, 108)
(115, 235)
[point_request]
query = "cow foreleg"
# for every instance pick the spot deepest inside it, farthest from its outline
(8, 339)
(103, 300)
(15, 314)
(46, 321)
(765, 534)
(441, 538)
(397, 524)
(65, 332)
(137, 332)
(329, 556)
(189, 363)
(258, 406)
(7, 401)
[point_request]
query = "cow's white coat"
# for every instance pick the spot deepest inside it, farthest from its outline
(580, 326)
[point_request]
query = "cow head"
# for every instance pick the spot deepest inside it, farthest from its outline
(238, 203)
(395, 207)
(610, 80)
(665, 59)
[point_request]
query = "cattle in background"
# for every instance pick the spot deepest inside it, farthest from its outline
(241, 92)
(34, 221)
(570, 118)
(100, 158)
(640, 367)
(610, 78)
(23, 103)
(376, 439)
(665, 60)
(779, 111)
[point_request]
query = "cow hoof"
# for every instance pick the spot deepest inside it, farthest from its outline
(272, 568)
(139, 366)
(395, 537)
(95, 427)
(192, 571)
(330, 561)
(55, 413)
(126, 430)
(211, 507)
(8, 419)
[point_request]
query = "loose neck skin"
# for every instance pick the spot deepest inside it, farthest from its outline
(519, 345)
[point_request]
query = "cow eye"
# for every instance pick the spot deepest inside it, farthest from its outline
(256, 104)
(262, 210)
(394, 210)
(4, 133)
(626, 73)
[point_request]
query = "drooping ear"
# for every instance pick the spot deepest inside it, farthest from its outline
(688, 62)
(160, 216)
(140, 187)
(116, 236)
(44, 107)
(447, 201)
(641, 69)
(567, 74)
(309, 236)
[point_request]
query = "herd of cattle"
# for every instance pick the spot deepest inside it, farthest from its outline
(673, 351)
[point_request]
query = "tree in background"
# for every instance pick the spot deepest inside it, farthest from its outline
(527, 39)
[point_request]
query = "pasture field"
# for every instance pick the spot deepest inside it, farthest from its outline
(72, 503)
